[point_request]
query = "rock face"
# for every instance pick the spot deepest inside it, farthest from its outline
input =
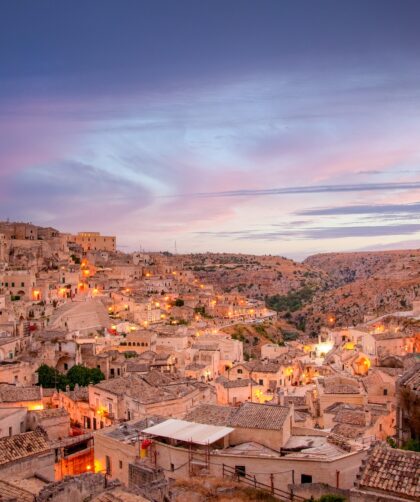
(346, 286)
(253, 276)
(363, 284)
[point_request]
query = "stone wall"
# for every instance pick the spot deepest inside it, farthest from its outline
(74, 489)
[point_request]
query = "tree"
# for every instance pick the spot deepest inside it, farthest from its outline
(179, 302)
(83, 376)
(50, 378)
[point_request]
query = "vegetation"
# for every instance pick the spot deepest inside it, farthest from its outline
(179, 302)
(83, 376)
(331, 498)
(294, 300)
(75, 259)
(289, 336)
(51, 378)
(412, 445)
(391, 442)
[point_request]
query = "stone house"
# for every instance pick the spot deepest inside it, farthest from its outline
(24, 455)
(388, 474)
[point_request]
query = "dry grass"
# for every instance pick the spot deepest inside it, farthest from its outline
(217, 490)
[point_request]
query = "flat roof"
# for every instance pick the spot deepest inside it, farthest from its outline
(189, 431)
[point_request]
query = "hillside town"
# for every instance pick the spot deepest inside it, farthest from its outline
(126, 376)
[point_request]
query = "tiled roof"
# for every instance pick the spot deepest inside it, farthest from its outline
(210, 414)
(336, 385)
(396, 472)
(13, 493)
(22, 445)
(134, 367)
(262, 367)
(195, 367)
(248, 415)
(233, 384)
(260, 416)
(11, 393)
(48, 392)
(80, 394)
(348, 431)
(152, 387)
(339, 441)
(51, 413)
(296, 400)
(300, 416)
(352, 417)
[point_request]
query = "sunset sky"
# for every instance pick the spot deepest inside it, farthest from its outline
(271, 127)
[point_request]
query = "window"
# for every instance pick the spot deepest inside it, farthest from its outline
(385, 392)
(112, 372)
(66, 366)
(120, 464)
(108, 465)
(240, 371)
(172, 467)
(305, 478)
(22, 284)
(10, 431)
(260, 381)
(240, 470)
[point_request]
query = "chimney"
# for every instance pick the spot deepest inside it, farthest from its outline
(280, 397)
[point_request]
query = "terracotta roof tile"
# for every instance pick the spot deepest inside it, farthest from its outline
(210, 414)
(260, 416)
(13, 493)
(393, 471)
(22, 445)
(11, 393)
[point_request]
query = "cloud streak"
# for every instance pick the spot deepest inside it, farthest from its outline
(316, 189)
(362, 209)
(319, 232)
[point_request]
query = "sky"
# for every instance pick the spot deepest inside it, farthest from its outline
(269, 127)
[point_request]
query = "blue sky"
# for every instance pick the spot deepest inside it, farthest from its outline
(281, 127)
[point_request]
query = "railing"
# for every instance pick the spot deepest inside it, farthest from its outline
(242, 477)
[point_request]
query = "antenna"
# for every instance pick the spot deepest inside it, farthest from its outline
(175, 248)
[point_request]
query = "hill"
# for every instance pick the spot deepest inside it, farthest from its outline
(326, 289)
